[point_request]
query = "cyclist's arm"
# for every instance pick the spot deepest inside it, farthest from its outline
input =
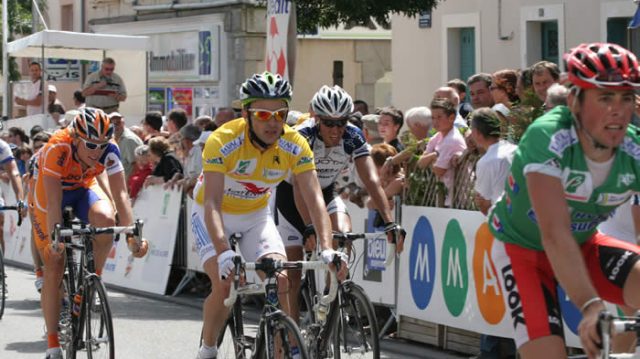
(53, 189)
(120, 196)
(552, 213)
(310, 190)
(369, 176)
(103, 182)
(14, 176)
(213, 195)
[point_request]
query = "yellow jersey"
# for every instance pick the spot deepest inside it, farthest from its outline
(251, 175)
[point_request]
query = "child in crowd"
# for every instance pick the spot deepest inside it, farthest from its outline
(444, 145)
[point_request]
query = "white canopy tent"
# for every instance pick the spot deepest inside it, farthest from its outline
(129, 52)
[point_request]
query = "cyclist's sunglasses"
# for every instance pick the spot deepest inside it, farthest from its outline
(265, 115)
(94, 146)
(340, 122)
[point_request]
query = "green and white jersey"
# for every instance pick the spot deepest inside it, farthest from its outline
(550, 146)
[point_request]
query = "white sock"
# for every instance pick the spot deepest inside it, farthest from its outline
(54, 350)
(208, 352)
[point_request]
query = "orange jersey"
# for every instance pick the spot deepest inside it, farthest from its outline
(58, 159)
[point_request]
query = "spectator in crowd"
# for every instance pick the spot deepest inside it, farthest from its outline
(55, 107)
(392, 181)
(389, 125)
(193, 159)
(142, 169)
(480, 90)
(556, 96)
(104, 89)
(224, 115)
(491, 173)
(23, 154)
(205, 123)
(166, 162)
(78, 99)
(444, 145)
(127, 142)
(33, 98)
(151, 124)
(418, 119)
(451, 95)
(464, 108)
(39, 140)
(503, 90)
(68, 118)
(17, 136)
(138, 131)
(370, 128)
(175, 120)
(35, 130)
(361, 106)
(524, 83)
(543, 75)
(356, 120)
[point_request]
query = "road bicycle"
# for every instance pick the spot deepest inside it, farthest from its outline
(3, 276)
(85, 320)
(608, 325)
(275, 329)
(348, 328)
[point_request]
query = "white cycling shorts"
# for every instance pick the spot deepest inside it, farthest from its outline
(259, 234)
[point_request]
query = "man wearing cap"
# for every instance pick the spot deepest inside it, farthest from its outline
(54, 107)
(33, 98)
(104, 89)
(127, 141)
(192, 163)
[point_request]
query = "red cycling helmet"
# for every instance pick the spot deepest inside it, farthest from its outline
(602, 65)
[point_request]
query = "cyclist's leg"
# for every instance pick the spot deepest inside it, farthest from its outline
(214, 312)
(35, 254)
(95, 208)
(290, 226)
(531, 300)
(53, 270)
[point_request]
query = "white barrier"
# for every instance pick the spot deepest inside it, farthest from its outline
(26, 123)
(16, 239)
(159, 209)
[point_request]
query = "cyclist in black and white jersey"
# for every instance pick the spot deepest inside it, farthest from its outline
(335, 144)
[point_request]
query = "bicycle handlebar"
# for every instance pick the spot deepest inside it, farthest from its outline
(18, 208)
(135, 229)
(275, 265)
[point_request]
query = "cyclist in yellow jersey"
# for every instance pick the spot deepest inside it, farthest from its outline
(243, 162)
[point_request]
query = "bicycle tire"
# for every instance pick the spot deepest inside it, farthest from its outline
(67, 323)
(285, 330)
(99, 339)
(3, 289)
(359, 337)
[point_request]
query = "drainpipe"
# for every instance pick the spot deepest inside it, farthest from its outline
(500, 36)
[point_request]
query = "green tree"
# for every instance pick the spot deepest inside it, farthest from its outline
(19, 12)
(312, 14)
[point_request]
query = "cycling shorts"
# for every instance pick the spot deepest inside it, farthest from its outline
(80, 200)
(290, 224)
(530, 286)
(259, 233)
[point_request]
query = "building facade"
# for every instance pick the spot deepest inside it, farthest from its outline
(470, 36)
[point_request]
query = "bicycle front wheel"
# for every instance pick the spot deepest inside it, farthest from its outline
(3, 285)
(356, 332)
(288, 342)
(99, 340)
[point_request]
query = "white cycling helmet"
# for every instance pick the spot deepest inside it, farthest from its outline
(332, 102)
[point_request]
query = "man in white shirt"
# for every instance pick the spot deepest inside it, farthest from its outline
(492, 169)
(33, 99)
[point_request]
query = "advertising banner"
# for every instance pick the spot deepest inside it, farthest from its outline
(17, 240)
(276, 56)
(159, 209)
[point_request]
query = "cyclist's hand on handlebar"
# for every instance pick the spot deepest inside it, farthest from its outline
(138, 250)
(22, 207)
(589, 332)
(225, 264)
(328, 255)
(395, 234)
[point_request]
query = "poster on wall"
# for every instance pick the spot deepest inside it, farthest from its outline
(206, 99)
(156, 99)
(180, 98)
(62, 70)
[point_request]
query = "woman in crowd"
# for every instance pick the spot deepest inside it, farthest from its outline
(503, 91)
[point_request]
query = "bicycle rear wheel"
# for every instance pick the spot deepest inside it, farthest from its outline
(356, 332)
(3, 285)
(287, 337)
(99, 340)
